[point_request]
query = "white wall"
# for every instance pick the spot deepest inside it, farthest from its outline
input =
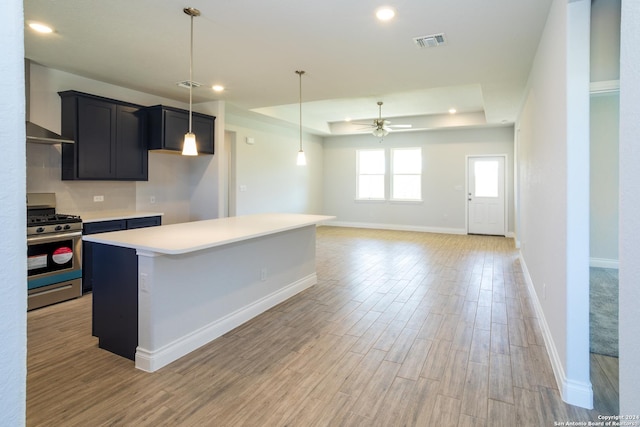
(605, 40)
(267, 178)
(444, 164)
(553, 151)
(629, 331)
(205, 171)
(604, 179)
(605, 72)
(13, 251)
(175, 181)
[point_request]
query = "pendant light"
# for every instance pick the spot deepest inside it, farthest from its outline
(189, 147)
(302, 160)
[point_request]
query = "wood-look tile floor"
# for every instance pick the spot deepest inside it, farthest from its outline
(402, 329)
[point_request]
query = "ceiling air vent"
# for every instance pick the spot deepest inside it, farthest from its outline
(187, 84)
(432, 40)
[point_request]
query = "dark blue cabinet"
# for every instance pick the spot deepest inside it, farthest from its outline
(115, 291)
(109, 139)
(115, 299)
(104, 227)
(166, 127)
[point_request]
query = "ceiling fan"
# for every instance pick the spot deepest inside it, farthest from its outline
(382, 127)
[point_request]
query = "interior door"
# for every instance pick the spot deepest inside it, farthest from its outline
(486, 195)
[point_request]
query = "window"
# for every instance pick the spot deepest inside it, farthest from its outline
(371, 173)
(486, 178)
(406, 181)
(405, 178)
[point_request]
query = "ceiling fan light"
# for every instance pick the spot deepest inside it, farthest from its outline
(380, 132)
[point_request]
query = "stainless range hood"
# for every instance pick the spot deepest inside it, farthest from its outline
(40, 135)
(36, 133)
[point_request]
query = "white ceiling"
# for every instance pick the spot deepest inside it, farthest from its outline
(253, 47)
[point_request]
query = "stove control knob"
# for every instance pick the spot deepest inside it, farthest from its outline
(58, 228)
(67, 227)
(39, 229)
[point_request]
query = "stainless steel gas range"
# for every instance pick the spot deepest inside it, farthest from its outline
(54, 252)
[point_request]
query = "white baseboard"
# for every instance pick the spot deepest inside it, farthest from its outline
(604, 263)
(397, 227)
(400, 227)
(577, 393)
(573, 392)
(151, 361)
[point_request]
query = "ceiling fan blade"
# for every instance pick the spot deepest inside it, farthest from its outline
(381, 127)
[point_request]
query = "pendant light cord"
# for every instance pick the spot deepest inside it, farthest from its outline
(300, 104)
(191, 75)
(300, 73)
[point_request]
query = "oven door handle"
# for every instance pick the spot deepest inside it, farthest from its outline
(54, 237)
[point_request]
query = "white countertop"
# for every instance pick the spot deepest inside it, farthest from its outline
(114, 215)
(193, 236)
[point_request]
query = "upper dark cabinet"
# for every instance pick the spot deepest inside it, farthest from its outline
(166, 127)
(109, 135)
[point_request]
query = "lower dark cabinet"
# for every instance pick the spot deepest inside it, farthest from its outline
(114, 309)
(148, 221)
(166, 127)
(115, 300)
(104, 227)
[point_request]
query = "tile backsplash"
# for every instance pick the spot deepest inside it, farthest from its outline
(43, 176)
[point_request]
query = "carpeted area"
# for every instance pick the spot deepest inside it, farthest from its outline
(603, 311)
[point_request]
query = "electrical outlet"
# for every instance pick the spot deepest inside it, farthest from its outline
(152, 199)
(544, 291)
(144, 283)
(263, 274)
(98, 198)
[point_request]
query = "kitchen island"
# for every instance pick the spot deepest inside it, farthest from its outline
(162, 292)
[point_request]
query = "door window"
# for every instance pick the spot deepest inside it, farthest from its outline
(486, 173)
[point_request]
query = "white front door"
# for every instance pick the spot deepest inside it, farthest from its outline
(486, 195)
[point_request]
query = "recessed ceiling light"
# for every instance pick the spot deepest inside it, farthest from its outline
(347, 119)
(452, 111)
(41, 28)
(385, 13)
(217, 88)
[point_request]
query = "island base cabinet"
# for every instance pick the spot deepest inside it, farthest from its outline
(163, 292)
(115, 299)
(188, 300)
